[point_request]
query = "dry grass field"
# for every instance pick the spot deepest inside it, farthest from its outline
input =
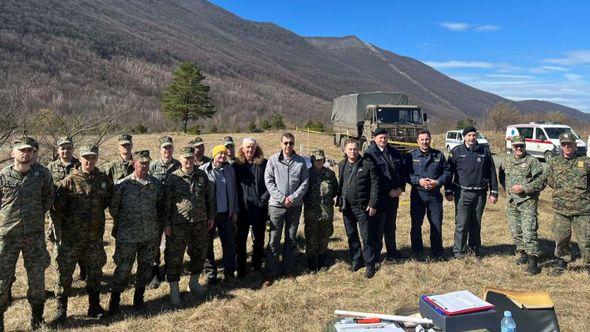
(307, 302)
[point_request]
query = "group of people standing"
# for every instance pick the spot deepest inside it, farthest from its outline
(183, 203)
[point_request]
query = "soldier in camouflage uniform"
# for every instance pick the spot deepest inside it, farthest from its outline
(318, 211)
(26, 194)
(568, 175)
(523, 178)
(191, 212)
(161, 169)
(200, 157)
(122, 166)
(137, 211)
(79, 223)
(60, 168)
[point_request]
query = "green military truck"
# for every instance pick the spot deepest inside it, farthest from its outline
(358, 115)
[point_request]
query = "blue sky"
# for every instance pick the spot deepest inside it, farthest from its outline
(516, 49)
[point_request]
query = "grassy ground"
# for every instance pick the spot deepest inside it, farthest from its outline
(307, 302)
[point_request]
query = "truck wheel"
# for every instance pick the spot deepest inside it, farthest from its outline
(341, 143)
(548, 156)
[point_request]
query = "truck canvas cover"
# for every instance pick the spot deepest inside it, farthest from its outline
(350, 109)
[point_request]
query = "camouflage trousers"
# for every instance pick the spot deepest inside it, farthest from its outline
(193, 236)
(317, 235)
(562, 232)
(36, 260)
(125, 255)
(68, 253)
(523, 225)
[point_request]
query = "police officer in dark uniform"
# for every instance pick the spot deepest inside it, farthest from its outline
(392, 170)
(429, 172)
(474, 173)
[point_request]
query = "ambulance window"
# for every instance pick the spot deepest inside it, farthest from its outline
(526, 132)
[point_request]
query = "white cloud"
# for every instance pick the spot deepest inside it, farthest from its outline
(486, 28)
(547, 69)
(572, 58)
(455, 26)
(460, 64)
(508, 76)
(575, 78)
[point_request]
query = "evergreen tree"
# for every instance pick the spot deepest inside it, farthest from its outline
(187, 98)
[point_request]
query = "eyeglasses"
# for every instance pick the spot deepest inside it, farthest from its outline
(289, 143)
(519, 146)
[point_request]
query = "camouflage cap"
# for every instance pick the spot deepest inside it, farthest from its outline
(518, 140)
(228, 140)
(25, 142)
(318, 154)
(567, 138)
(165, 141)
(65, 140)
(187, 152)
(142, 155)
(125, 139)
(88, 150)
(197, 141)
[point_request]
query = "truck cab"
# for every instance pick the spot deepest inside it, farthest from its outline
(402, 122)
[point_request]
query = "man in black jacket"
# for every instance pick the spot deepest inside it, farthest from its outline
(474, 173)
(393, 173)
(250, 165)
(358, 191)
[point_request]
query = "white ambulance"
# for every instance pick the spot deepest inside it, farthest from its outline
(542, 138)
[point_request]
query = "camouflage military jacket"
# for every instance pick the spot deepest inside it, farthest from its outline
(24, 200)
(569, 180)
(189, 197)
(203, 161)
(160, 170)
(135, 209)
(80, 201)
(527, 172)
(319, 198)
(59, 170)
(118, 169)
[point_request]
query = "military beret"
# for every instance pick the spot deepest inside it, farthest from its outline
(165, 141)
(187, 152)
(228, 140)
(88, 150)
(197, 141)
(380, 131)
(25, 142)
(65, 140)
(567, 138)
(124, 139)
(469, 130)
(518, 140)
(318, 154)
(142, 155)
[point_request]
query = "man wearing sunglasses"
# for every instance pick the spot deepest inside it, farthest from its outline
(523, 178)
(568, 175)
(286, 178)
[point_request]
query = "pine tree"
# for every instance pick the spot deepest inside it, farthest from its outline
(187, 98)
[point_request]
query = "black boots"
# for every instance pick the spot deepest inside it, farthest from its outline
(533, 265)
(114, 304)
(94, 308)
(155, 278)
(62, 312)
(311, 265)
(37, 316)
(522, 258)
(559, 267)
(138, 303)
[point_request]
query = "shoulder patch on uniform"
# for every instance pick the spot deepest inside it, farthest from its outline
(580, 164)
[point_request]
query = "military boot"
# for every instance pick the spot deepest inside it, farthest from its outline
(138, 303)
(114, 304)
(37, 316)
(311, 265)
(155, 278)
(533, 265)
(322, 263)
(559, 267)
(62, 312)
(174, 294)
(522, 258)
(94, 308)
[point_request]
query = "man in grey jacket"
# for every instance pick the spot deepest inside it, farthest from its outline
(223, 181)
(286, 180)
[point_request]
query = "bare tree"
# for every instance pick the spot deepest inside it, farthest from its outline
(501, 115)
